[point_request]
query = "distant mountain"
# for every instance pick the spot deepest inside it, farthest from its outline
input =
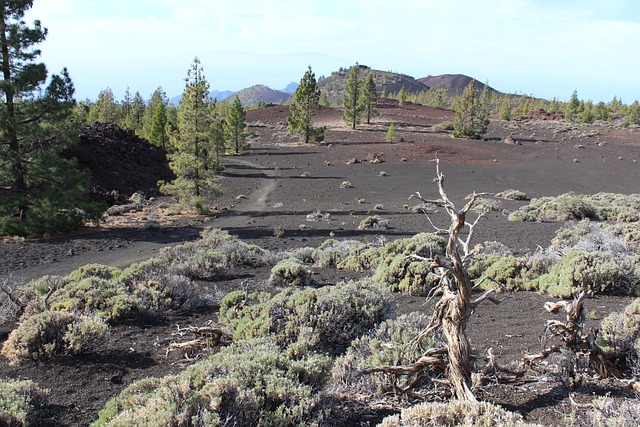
(261, 93)
(454, 83)
(214, 94)
(386, 81)
(291, 88)
(333, 85)
(221, 95)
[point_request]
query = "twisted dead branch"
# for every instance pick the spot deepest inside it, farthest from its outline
(572, 333)
(205, 336)
(455, 306)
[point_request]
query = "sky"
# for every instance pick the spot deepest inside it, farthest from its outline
(544, 48)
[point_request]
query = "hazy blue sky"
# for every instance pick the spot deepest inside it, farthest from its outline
(545, 48)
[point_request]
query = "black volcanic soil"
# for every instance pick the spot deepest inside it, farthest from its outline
(279, 182)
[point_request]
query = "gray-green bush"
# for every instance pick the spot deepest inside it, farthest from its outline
(291, 272)
(571, 206)
(18, 400)
(247, 384)
(393, 263)
(325, 319)
(390, 343)
(51, 333)
(453, 414)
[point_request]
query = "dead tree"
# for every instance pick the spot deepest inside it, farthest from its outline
(574, 337)
(455, 306)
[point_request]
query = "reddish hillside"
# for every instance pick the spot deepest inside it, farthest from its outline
(454, 83)
(386, 81)
(261, 93)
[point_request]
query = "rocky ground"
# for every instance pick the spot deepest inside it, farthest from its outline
(272, 189)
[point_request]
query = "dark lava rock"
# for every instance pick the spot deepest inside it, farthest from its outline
(120, 162)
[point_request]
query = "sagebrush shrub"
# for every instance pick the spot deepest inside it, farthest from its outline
(253, 384)
(453, 414)
(606, 411)
(18, 399)
(373, 222)
(291, 272)
(331, 251)
(621, 331)
(390, 343)
(324, 319)
(570, 206)
(593, 272)
(512, 194)
(51, 333)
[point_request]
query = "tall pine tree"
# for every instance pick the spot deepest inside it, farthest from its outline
(352, 98)
(158, 133)
(135, 117)
(304, 104)
(235, 126)
(157, 97)
(193, 158)
(105, 109)
(40, 192)
(369, 97)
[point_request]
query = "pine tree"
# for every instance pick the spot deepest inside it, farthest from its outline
(134, 119)
(105, 110)
(235, 126)
(304, 104)
(40, 192)
(402, 97)
(158, 134)
(369, 97)
(573, 106)
(324, 100)
(352, 98)
(157, 97)
(192, 161)
(217, 134)
(471, 114)
(125, 109)
(391, 133)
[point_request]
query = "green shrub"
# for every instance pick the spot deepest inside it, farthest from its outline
(610, 412)
(504, 270)
(211, 256)
(380, 256)
(593, 272)
(51, 333)
(252, 384)
(389, 344)
(512, 195)
(93, 270)
(400, 272)
(109, 300)
(621, 331)
(453, 414)
(403, 274)
(570, 206)
(331, 251)
(325, 319)
(291, 272)
(18, 399)
(373, 222)
(443, 126)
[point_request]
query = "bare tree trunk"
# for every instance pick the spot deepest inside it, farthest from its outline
(452, 311)
(456, 314)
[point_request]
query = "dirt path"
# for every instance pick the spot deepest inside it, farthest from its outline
(122, 247)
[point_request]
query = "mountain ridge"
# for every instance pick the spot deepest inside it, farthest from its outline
(333, 85)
